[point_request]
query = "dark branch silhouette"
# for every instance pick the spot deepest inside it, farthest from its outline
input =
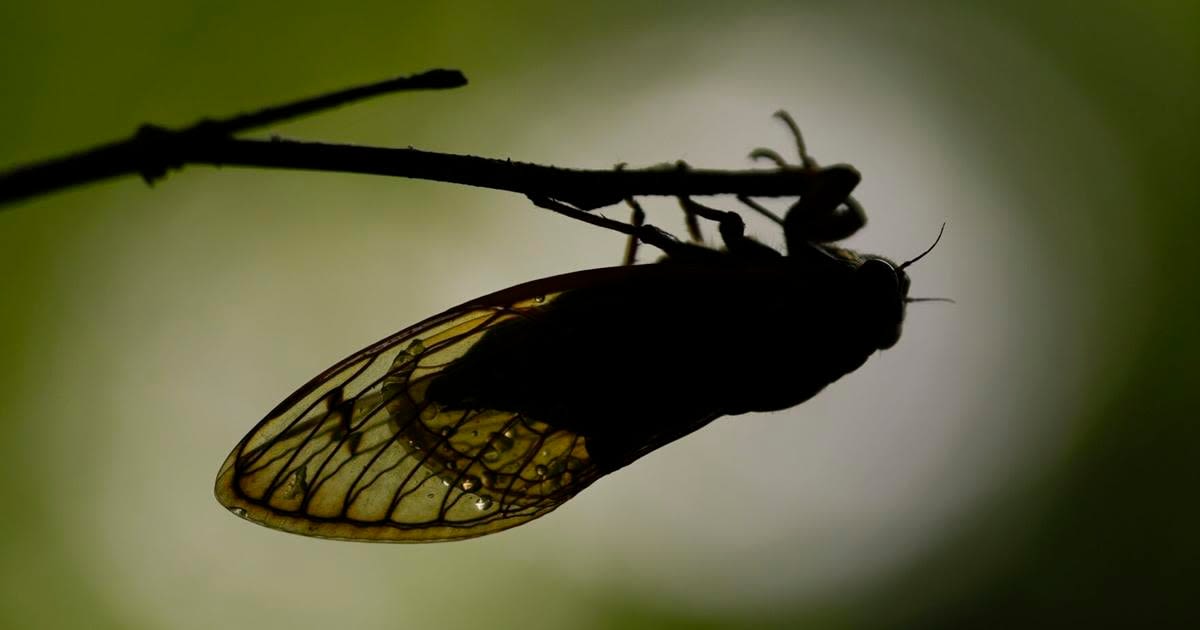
(154, 151)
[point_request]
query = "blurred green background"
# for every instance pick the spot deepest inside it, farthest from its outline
(1024, 458)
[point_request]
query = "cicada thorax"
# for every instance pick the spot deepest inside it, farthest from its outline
(489, 460)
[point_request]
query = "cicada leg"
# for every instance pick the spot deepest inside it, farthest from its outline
(732, 229)
(826, 212)
(643, 232)
(637, 219)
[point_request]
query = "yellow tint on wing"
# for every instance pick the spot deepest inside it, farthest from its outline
(359, 453)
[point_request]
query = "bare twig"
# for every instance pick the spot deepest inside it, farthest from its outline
(153, 151)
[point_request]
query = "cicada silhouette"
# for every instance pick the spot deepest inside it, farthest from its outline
(497, 411)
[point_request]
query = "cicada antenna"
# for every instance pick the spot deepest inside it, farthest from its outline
(922, 254)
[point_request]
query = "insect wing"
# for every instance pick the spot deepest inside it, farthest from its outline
(360, 453)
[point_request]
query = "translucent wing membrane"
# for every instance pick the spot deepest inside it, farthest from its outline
(362, 453)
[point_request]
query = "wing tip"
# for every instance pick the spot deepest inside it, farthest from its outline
(231, 499)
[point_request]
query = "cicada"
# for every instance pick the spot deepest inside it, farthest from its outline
(497, 411)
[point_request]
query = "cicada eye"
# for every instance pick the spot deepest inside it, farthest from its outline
(880, 294)
(878, 277)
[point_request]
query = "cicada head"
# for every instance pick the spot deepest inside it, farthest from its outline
(880, 289)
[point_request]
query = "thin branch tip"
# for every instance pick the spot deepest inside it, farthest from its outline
(440, 77)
